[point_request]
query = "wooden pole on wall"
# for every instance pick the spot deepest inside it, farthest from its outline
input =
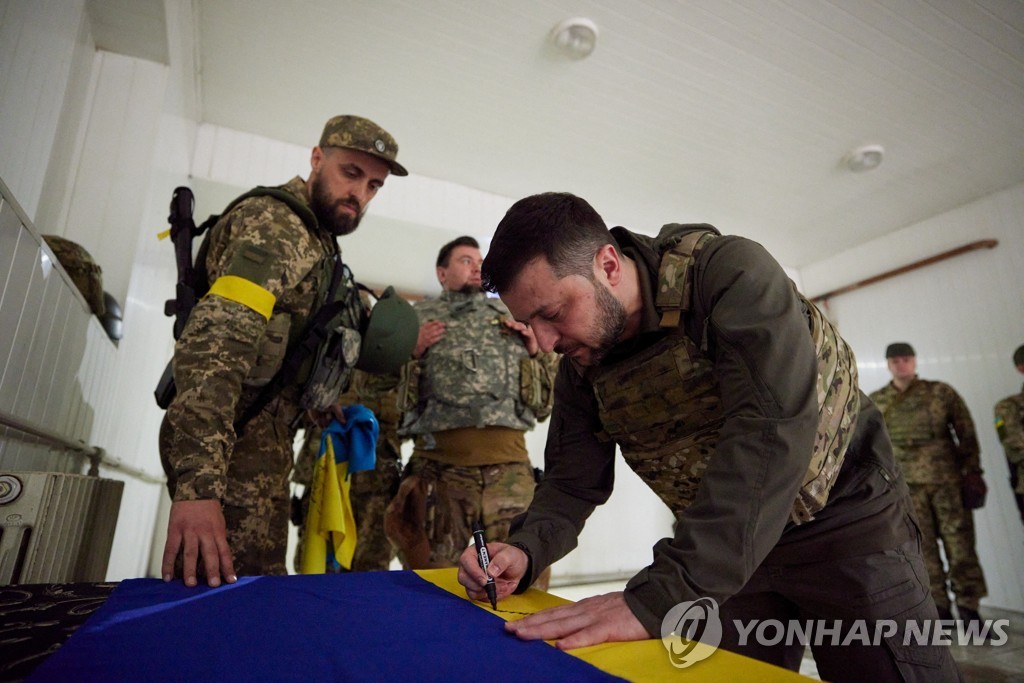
(973, 246)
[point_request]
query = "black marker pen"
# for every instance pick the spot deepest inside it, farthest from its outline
(484, 560)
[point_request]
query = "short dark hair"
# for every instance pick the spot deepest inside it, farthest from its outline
(445, 255)
(1018, 355)
(559, 226)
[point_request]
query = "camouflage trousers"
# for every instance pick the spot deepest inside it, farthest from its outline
(943, 517)
(370, 493)
(455, 497)
(256, 501)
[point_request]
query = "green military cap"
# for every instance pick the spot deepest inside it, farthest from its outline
(1018, 355)
(363, 135)
(899, 349)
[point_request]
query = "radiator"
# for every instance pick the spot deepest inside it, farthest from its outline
(56, 527)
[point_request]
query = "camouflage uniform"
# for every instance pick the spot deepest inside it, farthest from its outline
(737, 403)
(1010, 427)
(935, 444)
(226, 353)
(479, 376)
(372, 490)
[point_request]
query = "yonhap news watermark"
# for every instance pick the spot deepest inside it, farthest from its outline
(692, 632)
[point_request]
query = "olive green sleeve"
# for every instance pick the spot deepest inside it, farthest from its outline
(968, 450)
(211, 359)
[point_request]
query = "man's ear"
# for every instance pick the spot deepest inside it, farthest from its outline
(608, 264)
(440, 275)
(315, 158)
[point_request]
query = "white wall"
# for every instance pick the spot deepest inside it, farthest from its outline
(964, 316)
(125, 136)
(39, 43)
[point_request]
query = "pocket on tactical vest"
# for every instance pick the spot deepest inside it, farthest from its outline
(534, 392)
(272, 349)
(332, 370)
(409, 387)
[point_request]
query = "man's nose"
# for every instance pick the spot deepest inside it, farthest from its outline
(546, 336)
(363, 193)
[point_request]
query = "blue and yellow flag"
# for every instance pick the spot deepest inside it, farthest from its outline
(330, 531)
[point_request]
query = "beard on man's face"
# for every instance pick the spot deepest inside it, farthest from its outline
(326, 210)
(469, 288)
(608, 325)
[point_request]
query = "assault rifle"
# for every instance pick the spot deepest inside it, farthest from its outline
(191, 286)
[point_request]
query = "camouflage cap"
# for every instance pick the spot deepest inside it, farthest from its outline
(899, 349)
(1018, 355)
(362, 135)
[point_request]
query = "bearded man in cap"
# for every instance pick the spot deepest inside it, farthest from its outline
(272, 262)
(936, 445)
(1010, 427)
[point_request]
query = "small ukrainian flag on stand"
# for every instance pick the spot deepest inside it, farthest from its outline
(330, 531)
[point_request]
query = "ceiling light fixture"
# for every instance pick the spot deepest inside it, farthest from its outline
(575, 37)
(865, 158)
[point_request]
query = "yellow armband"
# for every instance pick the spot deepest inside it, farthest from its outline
(247, 293)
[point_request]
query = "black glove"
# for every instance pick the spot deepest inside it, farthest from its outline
(973, 490)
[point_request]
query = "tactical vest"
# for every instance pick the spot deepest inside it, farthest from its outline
(912, 416)
(341, 320)
(663, 405)
(471, 377)
(320, 355)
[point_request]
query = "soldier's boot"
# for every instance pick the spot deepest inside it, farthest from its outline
(968, 615)
(972, 623)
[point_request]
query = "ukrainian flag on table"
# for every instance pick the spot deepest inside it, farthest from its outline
(330, 531)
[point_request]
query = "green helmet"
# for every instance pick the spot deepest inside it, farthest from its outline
(390, 336)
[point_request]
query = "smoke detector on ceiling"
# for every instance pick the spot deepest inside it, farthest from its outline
(575, 37)
(865, 158)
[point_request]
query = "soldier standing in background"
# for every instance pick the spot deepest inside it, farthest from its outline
(936, 445)
(1010, 427)
(478, 384)
(272, 261)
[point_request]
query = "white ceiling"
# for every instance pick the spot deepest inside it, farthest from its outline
(733, 112)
